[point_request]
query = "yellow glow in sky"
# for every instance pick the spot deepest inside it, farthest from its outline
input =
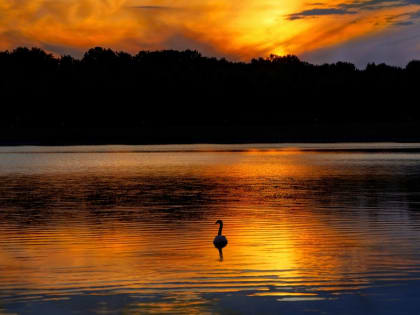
(235, 29)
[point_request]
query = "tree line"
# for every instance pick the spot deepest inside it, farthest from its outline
(111, 89)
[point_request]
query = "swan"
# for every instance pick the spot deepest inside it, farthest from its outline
(220, 240)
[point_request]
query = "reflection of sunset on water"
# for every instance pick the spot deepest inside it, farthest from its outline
(302, 226)
(61, 257)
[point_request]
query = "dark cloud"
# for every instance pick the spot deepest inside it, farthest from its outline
(404, 19)
(404, 23)
(348, 8)
(318, 12)
(372, 4)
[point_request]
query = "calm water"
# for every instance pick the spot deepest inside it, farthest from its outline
(129, 229)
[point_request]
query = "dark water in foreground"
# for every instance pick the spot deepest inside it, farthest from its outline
(129, 229)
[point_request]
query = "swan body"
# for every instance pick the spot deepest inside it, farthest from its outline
(220, 240)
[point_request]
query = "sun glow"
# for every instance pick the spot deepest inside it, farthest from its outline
(240, 30)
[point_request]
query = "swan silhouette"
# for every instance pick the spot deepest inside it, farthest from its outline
(220, 240)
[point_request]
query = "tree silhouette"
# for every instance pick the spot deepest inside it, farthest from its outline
(159, 89)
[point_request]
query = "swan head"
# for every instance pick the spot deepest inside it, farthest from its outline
(219, 222)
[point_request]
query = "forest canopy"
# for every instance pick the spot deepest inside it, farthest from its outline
(113, 89)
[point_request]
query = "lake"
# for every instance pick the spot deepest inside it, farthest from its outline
(312, 228)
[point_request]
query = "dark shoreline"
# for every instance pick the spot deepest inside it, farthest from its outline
(404, 132)
(168, 97)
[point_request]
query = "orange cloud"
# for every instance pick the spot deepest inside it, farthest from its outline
(239, 30)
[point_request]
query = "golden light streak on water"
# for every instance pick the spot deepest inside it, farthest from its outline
(128, 222)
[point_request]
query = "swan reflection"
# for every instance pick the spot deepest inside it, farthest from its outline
(220, 253)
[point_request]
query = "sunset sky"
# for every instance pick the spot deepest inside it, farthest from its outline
(359, 31)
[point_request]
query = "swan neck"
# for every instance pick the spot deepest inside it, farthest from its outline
(220, 228)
